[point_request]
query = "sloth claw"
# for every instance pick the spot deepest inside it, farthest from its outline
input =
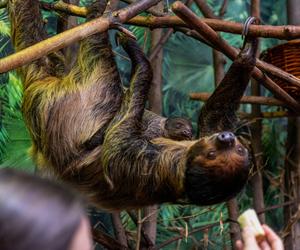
(124, 31)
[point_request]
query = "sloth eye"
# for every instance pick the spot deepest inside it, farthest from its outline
(211, 155)
(240, 150)
(178, 126)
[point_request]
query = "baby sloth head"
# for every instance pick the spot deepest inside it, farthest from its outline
(178, 128)
(217, 168)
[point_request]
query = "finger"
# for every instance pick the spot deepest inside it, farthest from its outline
(239, 245)
(249, 238)
(264, 245)
(273, 238)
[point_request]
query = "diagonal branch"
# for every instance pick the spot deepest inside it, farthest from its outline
(207, 32)
(78, 33)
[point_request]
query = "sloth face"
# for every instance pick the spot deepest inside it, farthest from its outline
(217, 168)
(179, 129)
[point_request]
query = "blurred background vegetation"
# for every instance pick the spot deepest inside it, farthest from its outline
(187, 67)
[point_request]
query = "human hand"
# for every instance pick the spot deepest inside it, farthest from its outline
(271, 242)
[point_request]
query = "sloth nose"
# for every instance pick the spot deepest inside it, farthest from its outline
(226, 138)
(188, 133)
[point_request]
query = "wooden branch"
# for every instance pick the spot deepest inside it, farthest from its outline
(119, 229)
(205, 9)
(147, 240)
(151, 11)
(138, 230)
(165, 37)
(232, 52)
(223, 8)
(73, 35)
(82, 11)
(106, 240)
(275, 71)
(284, 32)
(267, 115)
(207, 32)
(66, 8)
(262, 100)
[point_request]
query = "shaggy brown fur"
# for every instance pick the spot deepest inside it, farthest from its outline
(142, 172)
(67, 114)
(68, 117)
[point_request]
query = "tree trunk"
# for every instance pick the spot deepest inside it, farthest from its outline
(155, 105)
(292, 160)
(256, 131)
(155, 93)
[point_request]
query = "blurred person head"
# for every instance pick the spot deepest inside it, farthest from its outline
(38, 214)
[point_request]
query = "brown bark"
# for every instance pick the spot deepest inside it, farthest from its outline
(219, 63)
(233, 213)
(163, 39)
(292, 161)
(262, 100)
(119, 229)
(205, 9)
(155, 93)
(155, 105)
(219, 43)
(73, 35)
(292, 182)
(256, 143)
(114, 4)
(284, 32)
(145, 239)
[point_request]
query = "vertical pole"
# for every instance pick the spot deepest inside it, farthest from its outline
(256, 131)
(292, 159)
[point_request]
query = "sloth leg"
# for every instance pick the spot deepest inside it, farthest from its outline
(141, 77)
(96, 57)
(27, 28)
(219, 112)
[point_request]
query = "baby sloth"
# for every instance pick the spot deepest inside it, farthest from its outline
(139, 171)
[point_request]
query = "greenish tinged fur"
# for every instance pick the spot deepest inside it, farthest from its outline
(67, 113)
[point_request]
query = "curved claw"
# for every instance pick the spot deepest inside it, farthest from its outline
(121, 38)
(250, 43)
(126, 32)
(249, 21)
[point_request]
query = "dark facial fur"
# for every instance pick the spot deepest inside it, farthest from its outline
(225, 167)
(179, 128)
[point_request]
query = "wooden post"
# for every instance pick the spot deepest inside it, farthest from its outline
(256, 132)
(292, 159)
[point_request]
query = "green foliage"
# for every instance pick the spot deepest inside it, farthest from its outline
(17, 141)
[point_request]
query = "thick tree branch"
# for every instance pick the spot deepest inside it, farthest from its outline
(207, 32)
(73, 35)
(285, 32)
